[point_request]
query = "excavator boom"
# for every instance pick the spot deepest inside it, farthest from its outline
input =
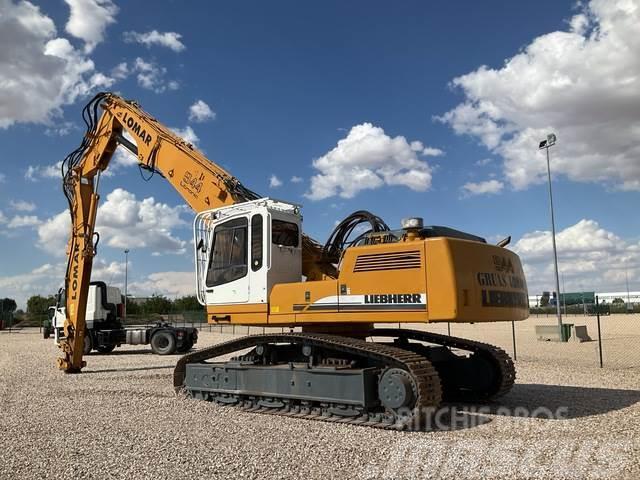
(202, 184)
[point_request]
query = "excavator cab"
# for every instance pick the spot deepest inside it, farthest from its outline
(243, 250)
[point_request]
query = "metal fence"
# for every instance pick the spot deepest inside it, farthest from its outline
(614, 343)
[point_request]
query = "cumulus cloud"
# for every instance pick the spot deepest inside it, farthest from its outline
(170, 40)
(49, 277)
(39, 71)
(367, 158)
(589, 258)
(43, 280)
(274, 182)
(296, 179)
(583, 84)
(22, 205)
(170, 284)
(151, 76)
(89, 20)
(187, 134)
(201, 112)
(20, 221)
(123, 221)
(482, 188)
(37, 172)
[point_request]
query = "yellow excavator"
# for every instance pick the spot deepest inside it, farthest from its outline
(346, 357)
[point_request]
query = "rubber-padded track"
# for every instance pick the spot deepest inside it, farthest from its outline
(425, 377)
(498, 357)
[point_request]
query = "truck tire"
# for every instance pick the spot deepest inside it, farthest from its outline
(186, 346)
(105, 348)
(45, 333)
(88, 343)
(163, 343)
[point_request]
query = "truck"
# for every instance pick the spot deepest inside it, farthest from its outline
(105, 331)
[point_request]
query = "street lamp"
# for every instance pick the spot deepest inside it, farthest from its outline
(546, 144)
(126, 272)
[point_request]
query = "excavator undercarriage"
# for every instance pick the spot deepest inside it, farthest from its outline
(397, 380)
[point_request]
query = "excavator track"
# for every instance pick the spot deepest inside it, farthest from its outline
(503, 369)
(413, 368)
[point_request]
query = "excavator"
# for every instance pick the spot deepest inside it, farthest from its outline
(352, 347)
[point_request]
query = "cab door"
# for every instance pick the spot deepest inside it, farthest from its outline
(227, 276)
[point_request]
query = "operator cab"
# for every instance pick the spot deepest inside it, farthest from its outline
(243, 250)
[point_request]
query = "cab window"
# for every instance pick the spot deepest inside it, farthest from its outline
(284, 233)
(229, 253)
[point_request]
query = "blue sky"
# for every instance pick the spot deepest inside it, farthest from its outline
(289, 80)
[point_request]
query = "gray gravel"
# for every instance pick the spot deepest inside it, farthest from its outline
(121, 419)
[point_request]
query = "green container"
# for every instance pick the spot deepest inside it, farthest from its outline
(566, 331)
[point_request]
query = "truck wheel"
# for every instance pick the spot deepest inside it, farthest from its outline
(45, 333)
(186, 346)
(105, 348)
(163, 343)
(88, 344)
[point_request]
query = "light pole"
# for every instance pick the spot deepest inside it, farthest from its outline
(626, 278)
(546, 144)
(126, 274)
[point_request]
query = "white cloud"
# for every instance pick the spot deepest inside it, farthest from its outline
(367, 159)
(582, 84)
(89, 20)
(482, 188)
(20, 221)
(60, 129)
(120, 71)
(170, 284)
(37, 172)
(39, 72)
(187, 134)
(296, 179)
(201, 112)
(418, 146)
(3, 177)
(483, 162)
(123, 222)
(53, 234)
(22, 205)
(589, 258)
(170, 40)
(151, 76)
(274, 182)
(43, 280)
(3, 218)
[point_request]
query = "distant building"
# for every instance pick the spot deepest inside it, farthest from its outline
(607, 297)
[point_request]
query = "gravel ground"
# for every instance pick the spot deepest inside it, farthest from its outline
(121, 419)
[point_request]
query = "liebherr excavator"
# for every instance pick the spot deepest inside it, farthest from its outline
(254, 267)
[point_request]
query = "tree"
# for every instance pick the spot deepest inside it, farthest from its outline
(8, 305)
(186, 304)
(37, 304)
(157, 304)
(617, 301)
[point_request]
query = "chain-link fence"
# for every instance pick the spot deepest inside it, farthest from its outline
(615, 342)
(535, 339)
